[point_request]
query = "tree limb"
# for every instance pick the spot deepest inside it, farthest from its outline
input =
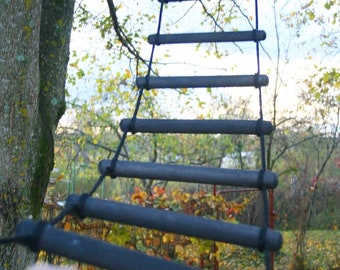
(120, 34)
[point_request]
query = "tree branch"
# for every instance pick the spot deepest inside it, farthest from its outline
(120, 34)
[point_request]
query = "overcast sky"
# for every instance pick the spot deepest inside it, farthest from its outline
(239, 62)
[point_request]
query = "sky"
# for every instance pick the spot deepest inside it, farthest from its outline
(238, 62)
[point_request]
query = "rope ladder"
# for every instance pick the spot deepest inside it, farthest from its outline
(43, 235)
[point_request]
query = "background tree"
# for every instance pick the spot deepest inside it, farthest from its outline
(306, 138)
(34, 51)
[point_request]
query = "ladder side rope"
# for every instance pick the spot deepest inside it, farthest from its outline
(109, 170)
(32, 238)
(262, 187)
(138, 102)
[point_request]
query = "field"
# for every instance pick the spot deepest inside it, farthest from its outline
(322, 252)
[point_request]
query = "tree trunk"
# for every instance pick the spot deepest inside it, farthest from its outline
(34, 49)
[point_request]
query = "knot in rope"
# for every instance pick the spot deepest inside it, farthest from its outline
(262, 239)
(131, 126)
(257, 80)
(259, 131)
(260, 180)
(256, 37)
(79, 207)
(34, 238)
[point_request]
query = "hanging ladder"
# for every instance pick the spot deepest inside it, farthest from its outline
(42, 235)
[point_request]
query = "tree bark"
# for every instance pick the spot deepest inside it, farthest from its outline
(34, 49)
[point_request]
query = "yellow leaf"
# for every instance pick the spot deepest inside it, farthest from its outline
(184, 90)
(60, 177)
(179, 249)
(75, 65)
(165, 238)
(127, 74)
(154, 92)
(67, 226)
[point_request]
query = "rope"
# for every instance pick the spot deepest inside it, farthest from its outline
(111, 171)
(32, 239)
(262, 187)
(11, 240)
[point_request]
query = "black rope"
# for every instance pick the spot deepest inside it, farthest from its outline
(257, 81)
(61, 216)
(256, 35)
(12, 240)
(33, 240)
(131, 127)
(260, 182)
(101, 177)
(79, 207)
(262, 187)
(259, 127)
(262, 242)
(111, 170)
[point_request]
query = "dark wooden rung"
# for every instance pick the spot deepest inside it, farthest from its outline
(238, 36)
(198, 126)
(202, 81)
(192, 174)
(169, 221)
(43, 236)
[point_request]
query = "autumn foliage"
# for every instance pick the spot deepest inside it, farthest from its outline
(189, 250)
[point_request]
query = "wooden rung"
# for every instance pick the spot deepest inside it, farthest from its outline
(194, 226)
(238, 36)
(192, 174)
(202, 81)
(198, 126)
(43, 236)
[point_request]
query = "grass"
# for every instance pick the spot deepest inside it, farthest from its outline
(322, 252)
